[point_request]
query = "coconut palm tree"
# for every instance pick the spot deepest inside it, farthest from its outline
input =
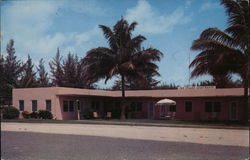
(124, 58)
(225, 52)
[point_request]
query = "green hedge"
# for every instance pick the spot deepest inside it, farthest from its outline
(45, 114)
(10, 112)
(26, 114)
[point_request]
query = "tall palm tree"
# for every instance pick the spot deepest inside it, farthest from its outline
(124, 58)
(225, 52)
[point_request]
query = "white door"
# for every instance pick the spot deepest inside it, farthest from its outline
(233, 111)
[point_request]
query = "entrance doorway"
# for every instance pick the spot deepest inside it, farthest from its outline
(151, 110)
(233, 111)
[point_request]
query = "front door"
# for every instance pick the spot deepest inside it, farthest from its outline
(151, 110)
(233, 111)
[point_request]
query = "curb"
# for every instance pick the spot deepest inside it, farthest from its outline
(133, 124)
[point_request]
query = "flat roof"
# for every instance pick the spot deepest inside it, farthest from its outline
(202, 92)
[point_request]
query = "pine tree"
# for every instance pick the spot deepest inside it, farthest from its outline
(10, 69)
(2, 78)
(4, 90)
(56, 70)
(43, 80)
(70, 71)
(28, 79)
(81, 80)
(12, 66)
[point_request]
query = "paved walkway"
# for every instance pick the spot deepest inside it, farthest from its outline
(230, 137)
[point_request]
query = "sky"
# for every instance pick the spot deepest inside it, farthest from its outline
(39, 27)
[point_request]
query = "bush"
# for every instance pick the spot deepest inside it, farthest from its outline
(88, 113)
(26, 114)
(45, 114)
(34, 115)
(10, 112)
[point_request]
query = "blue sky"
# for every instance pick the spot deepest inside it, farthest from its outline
(39, 27)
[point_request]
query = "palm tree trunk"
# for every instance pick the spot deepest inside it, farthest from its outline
(246, 94)
(123, 98)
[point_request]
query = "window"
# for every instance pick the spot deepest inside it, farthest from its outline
(21, 105)
(68, 106)
(216, 106)
(188, 107)
(139, 107)
(48, 105)
(133, 106)
(208, 106)
(212, 106)
(65, 106)
(71, 106)
(136, 106)
(172, 108)
(34, 105)
(95, 105)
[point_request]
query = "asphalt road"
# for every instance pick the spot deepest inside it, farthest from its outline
(43, 146)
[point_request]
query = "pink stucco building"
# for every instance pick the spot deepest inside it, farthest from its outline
(191, 103)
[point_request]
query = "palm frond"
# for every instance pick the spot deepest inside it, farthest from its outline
(150, 54)
(202, 45)
(109, 35)
(135, 43)
(98, 62)
(132, 27)
(218, 35)
(234, 11)
(240, 34)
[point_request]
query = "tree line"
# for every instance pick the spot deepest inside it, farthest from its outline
(223, 53)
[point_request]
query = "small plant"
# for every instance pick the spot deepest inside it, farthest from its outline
(34, 115)
(10, 112)
(45, 114)
(88, 113)
(26, 114)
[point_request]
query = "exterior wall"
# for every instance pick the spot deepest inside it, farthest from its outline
(198, 108)
(85, 102)
(53, 94)
(39, 94)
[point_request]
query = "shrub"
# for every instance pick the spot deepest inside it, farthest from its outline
(26, 114)
(88, 113)
(34, 115)
(10, 112)
(45, 114)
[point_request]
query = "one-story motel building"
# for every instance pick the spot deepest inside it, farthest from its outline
(193, 103)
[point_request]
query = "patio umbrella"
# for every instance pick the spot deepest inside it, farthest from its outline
(166, 102)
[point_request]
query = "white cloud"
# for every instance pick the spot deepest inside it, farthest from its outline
(81, 42)
(188, 3)
(29, 23)
(86, 36)
(85, 6)
(209, 5)
(149, 21)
